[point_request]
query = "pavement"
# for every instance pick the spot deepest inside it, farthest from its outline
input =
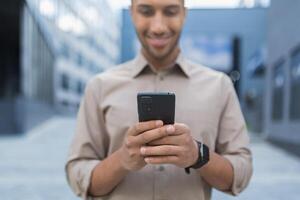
(276, 174)
(32, 167)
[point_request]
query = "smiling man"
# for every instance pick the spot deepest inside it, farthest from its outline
(113, 156)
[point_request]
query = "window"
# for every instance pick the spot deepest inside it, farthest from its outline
(94, 68)
(278, 77)
(65, 82)
(295, 85)
(80, 88)
(79, 59)
(65, 103)
(65, 50)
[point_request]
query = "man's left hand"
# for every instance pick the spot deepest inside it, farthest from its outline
(179, 148)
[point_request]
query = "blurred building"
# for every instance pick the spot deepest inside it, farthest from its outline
(63, 43)
(283, 73)
(229, 40)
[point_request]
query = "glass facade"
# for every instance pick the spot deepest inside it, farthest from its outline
(79, 43)
(295, 85)
(279, 80)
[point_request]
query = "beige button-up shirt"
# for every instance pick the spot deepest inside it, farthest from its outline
(205, 101)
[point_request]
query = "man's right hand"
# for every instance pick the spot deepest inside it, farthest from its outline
(136, 137)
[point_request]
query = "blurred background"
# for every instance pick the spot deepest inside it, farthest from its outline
(50, 48)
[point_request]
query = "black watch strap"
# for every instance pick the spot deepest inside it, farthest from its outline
(203, 157)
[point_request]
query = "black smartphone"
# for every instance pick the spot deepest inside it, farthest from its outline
(156, 106)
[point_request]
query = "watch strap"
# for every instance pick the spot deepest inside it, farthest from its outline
(203, 157)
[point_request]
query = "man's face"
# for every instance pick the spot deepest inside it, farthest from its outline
(158, 25)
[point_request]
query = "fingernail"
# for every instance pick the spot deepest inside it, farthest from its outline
(159, 123)
(143, 150)
(147, 160)
(170, 129)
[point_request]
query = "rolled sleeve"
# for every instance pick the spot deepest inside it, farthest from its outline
(233, 141)
(88, 147)
(79, 174)
(242, 170)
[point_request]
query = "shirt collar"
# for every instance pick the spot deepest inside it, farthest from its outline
(140, 63)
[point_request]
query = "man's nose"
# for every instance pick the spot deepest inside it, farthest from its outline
(158, 25)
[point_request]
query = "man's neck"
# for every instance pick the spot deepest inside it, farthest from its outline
(160, 64)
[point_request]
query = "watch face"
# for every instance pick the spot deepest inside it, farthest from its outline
(203, 156)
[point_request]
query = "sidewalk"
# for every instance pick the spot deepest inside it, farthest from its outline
(276, 175)
(32, 167)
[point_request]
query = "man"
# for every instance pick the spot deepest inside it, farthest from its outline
(113, 156)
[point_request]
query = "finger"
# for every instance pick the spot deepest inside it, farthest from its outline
(181, 128)
(165, 150)
(162, 160)
(145, 126)
(154, 134)
(168, 140)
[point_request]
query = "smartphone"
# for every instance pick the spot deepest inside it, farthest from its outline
(156, 106)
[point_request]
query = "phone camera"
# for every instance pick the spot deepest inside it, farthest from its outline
(147, 107)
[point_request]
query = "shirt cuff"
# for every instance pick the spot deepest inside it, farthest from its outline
(79, 176)
(242, 172)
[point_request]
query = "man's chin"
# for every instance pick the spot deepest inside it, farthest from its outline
(160, 54)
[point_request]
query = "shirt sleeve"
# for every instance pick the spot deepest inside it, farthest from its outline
(88, 147)
(233, 141)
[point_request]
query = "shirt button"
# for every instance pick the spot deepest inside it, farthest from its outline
(161, 78)
(161, 168)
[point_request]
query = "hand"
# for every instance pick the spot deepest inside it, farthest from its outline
(179, 148)
(136, 137)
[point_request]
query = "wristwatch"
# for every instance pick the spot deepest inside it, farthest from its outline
(203, 157)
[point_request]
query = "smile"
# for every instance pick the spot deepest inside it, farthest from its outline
(159, 42)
